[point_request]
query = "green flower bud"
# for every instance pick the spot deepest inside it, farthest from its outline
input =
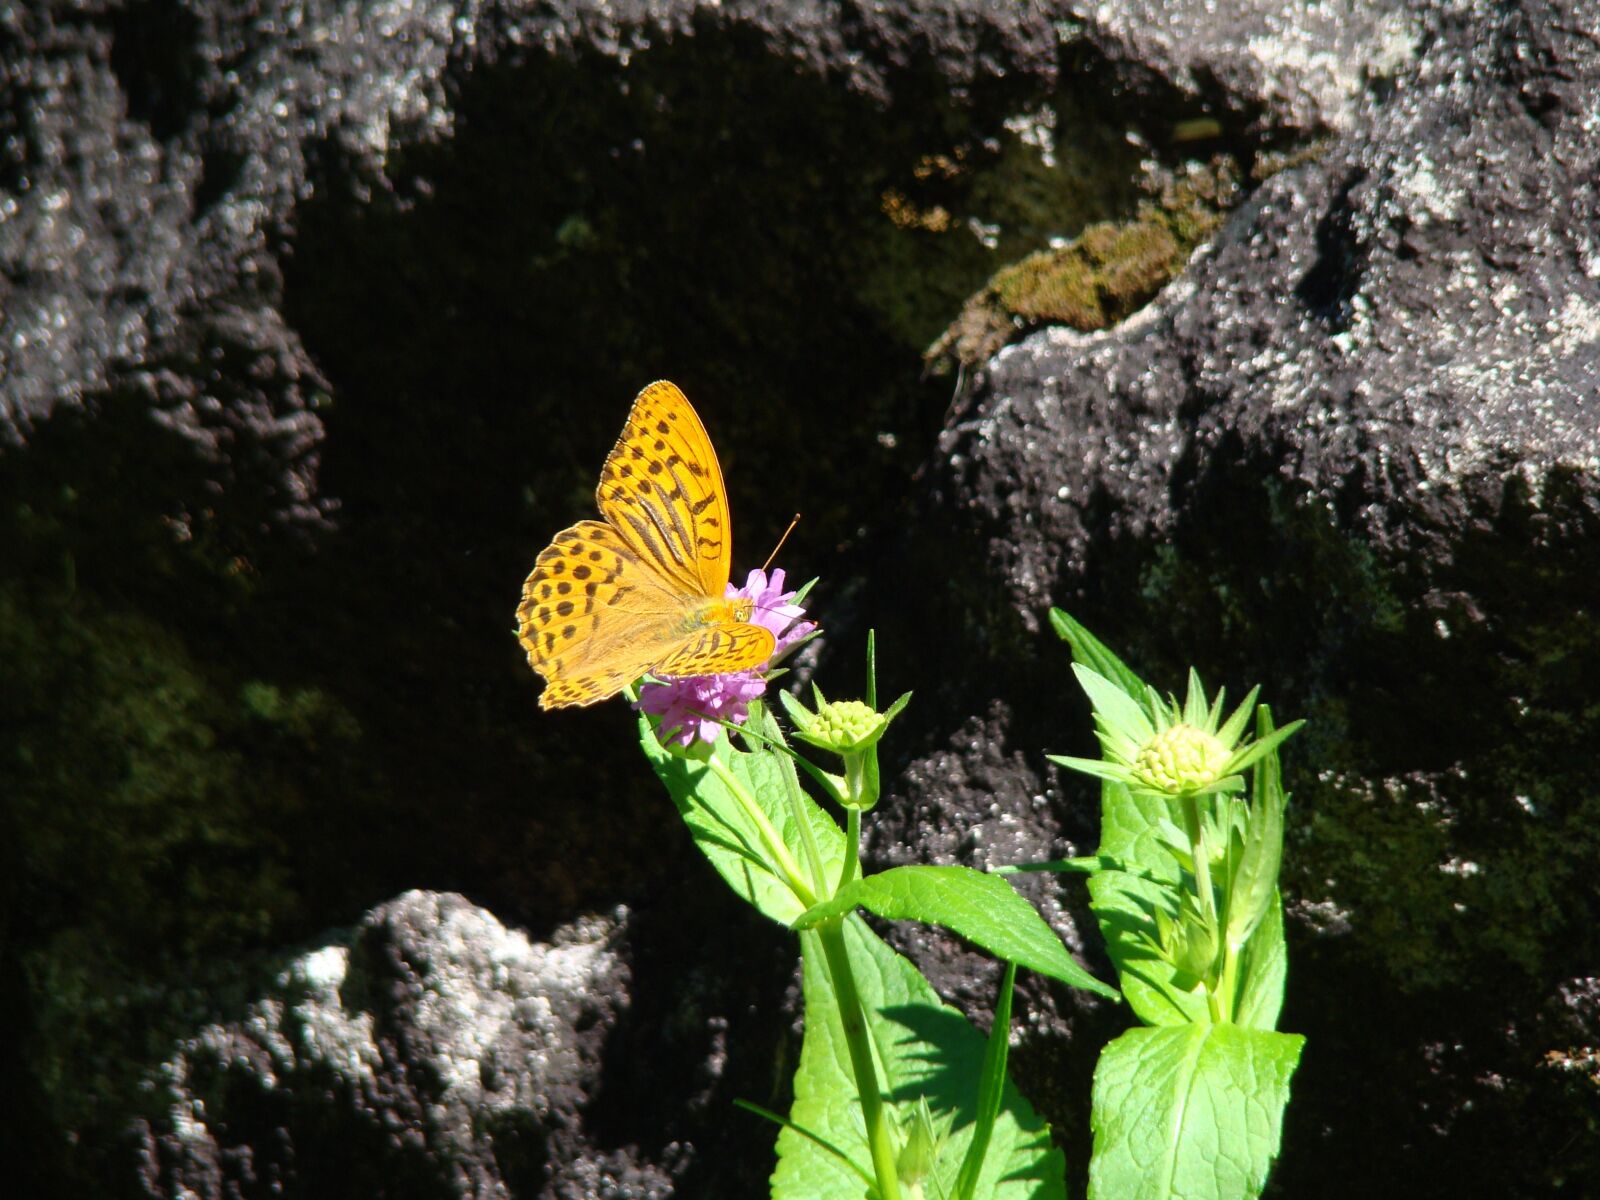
(851, 730)
(1189, 943)
(919, 1155)
(845, 725)
(1181, 759)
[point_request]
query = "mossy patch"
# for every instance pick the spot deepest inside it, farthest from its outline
(960, 213)
(155, 810)
(1104, 275)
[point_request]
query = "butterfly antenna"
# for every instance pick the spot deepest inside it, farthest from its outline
(795, 521)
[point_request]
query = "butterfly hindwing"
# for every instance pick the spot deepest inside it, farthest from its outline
(661, 488)
(716, 649)
(642, 591)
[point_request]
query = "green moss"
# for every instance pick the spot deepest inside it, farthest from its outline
(155, 807)
(1104, 275)
(959, 214)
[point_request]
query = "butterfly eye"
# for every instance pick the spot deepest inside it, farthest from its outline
(742, 609)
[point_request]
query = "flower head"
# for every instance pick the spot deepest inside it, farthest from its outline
(690, 708)
(1166, 746)
(839, 725)
(1181, 758)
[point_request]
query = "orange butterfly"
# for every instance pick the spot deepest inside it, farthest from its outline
(643, 591)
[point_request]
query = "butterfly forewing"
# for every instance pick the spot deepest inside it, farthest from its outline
(643, 591)
(662, 489)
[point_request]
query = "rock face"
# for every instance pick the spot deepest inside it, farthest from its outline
(1353, 455)
(316, 320)
(432, 1045)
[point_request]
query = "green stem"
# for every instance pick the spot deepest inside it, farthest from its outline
(852, 847)
(808, 837)
(879, 1139)
(1230, 980)
(775, 847)
(1201, 855)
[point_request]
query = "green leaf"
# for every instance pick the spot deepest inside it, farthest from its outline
(929, 1051)
(1126, 903)
(1263, 970)
(1091, 652)
(1098, 767)
(991, 1088)
(1195, 709)
(982, 908)
(1118, 712)
(727, 833)
(1258, 750)
(1193, 1111)
(820, 1143)
(1255, 881)
(1228, 733)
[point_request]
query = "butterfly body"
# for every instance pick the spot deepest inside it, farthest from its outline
(644, 589)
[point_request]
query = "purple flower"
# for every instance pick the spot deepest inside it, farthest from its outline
(690, 708)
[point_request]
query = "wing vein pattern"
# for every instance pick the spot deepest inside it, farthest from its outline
(642, 591)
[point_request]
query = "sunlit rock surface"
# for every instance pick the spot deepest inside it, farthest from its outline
(315, 322)
(430, 1044)
(1353, 455)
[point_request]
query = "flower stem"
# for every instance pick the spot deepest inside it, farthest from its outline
(852, 846)
(1200, 853)
(1230, 978)
(808, 837)
(781, 857)
(853, 1017)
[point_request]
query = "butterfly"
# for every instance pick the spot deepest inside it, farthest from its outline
(642, 591)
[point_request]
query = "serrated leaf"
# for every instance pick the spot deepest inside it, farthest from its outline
(929, 1052)
(982, 908)
(1193, 1111)
(727, 834)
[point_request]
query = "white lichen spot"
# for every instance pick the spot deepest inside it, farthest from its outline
(1038, 131)
(1426, 198)
(1575, 326)
(323, 969)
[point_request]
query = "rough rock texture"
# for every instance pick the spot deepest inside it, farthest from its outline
(431, 1043)
(1297, 67)
(1354, 455)
(315, 321)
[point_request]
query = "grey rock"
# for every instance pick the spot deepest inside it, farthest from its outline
(431, 1044)
(1354, 455)
(1304, 67)
(1372, 397)
(1393, 329)
(157, 152)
